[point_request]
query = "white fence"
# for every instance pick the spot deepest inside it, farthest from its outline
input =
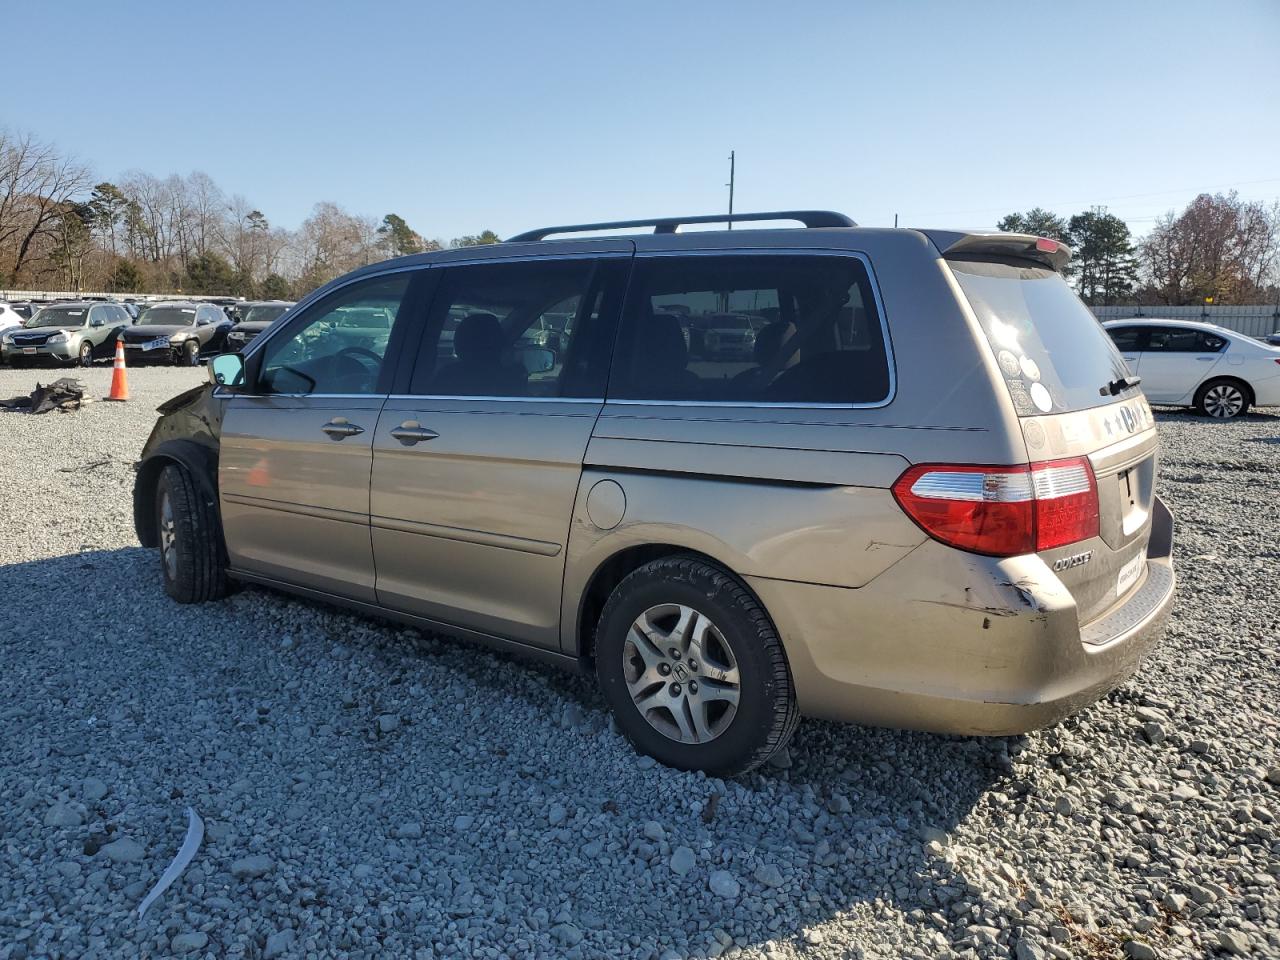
(1256, 321)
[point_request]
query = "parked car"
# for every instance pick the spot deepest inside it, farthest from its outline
(25, 308)
(255, 316)
(1274, 339)
(1217, 371)
(65, 333)
(131, 308)
(10, 319)
(176, 331)
(953, 528)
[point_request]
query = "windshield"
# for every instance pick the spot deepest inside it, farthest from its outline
(263, 314)
(59, 317)
(167, 317)
(1053, 353)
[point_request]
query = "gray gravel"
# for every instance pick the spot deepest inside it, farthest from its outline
(370, 790)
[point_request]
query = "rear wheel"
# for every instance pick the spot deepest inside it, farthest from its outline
(693, 669)
(1222, 399)
(192, 557)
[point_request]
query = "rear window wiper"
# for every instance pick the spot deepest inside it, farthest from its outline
(1120, 385)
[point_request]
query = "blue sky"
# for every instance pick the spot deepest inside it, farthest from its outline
(463, 116)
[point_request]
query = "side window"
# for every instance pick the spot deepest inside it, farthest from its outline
(202, 316)
(752, 329)
(1174, 340)
(537, 328)
(337, 345)
(97, 316)
(1126, 339)
(1211, 343)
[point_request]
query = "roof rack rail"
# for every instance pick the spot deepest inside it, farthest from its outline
(810, 218)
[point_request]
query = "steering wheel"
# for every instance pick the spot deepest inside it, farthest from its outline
(377, 360)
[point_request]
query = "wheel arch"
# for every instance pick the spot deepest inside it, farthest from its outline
(616, 568)
(1249, 396)
(199, 461)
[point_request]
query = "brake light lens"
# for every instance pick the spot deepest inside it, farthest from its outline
(1002, 511)
(1045, 245)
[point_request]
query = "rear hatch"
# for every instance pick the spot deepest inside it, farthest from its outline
(1069, 386)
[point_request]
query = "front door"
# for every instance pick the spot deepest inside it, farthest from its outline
(296, 452)
(476, 467)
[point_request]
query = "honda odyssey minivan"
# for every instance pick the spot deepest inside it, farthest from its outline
(924, 498)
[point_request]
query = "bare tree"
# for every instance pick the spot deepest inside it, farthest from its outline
(35, 184)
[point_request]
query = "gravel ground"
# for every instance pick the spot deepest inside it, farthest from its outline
(367, 789)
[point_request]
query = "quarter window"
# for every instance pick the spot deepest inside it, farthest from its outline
(752, 329)
(339, 344)
(538, 328)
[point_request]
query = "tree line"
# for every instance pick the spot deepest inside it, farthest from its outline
(61, 228)
(1220, 249)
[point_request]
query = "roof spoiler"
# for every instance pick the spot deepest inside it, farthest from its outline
(1053, 254)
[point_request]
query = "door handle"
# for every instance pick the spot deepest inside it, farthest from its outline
(1130, 359)
(339, 427)
(411, 432)
(1206, 359)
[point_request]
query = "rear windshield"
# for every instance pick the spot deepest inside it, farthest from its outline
(1053, 353)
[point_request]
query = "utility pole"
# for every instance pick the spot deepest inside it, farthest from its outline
(730, 186)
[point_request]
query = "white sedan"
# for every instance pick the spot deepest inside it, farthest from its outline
(1183, 363)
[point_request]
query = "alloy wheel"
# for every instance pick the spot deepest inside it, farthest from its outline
(1223, 401)
(168, 537)
(681, 673)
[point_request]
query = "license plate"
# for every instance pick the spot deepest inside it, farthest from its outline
(28, 350)
(157, 344)
(1129, 574)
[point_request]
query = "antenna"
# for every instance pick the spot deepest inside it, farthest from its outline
(730, 186)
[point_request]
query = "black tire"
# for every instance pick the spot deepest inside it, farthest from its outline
(1224, 398)
(194, 562)
(86, 354)
(766, 710)
(191, 353)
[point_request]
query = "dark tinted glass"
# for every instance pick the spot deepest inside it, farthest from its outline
(751, 329)
(1126, 338)
(539, 328)
(337, 345)
(1052, 351)
(1175, 340)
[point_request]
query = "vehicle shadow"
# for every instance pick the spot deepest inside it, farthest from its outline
(265, 714)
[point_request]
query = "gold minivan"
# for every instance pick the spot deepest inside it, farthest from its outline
(910, 484)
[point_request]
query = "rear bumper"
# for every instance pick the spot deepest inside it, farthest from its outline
(953, 643)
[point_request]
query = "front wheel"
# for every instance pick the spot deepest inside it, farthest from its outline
(192, 557)
(693, 668)
(191, 353)
(86, 354)
(1222, 399)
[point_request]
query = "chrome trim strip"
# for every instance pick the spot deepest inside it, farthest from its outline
(463, 535)
(218, 392)
(433, 396)
(302, 510)
(787, 251)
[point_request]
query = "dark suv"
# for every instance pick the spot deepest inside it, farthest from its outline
(255, 316)
(176, 331)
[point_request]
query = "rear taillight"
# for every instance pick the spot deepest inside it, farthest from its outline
(1002, 511)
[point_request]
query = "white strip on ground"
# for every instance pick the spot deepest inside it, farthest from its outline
(195, 833)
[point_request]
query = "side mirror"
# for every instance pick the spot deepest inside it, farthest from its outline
(227, 370)
(537, 359)
(97, 322)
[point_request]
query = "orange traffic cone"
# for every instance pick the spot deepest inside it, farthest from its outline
(119, 376)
